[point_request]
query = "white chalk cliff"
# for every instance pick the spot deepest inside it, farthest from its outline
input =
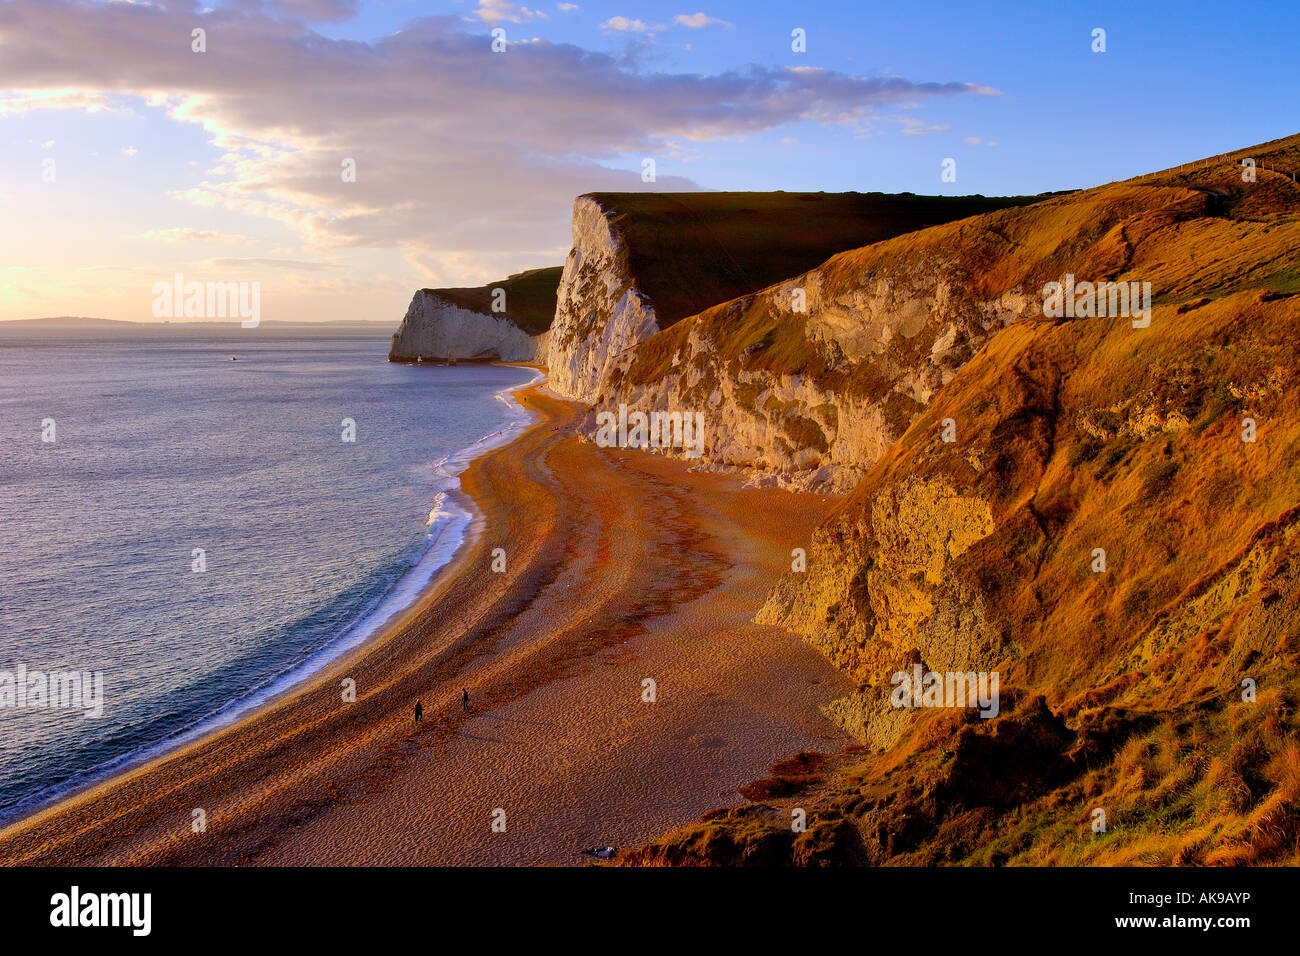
(901, 329)
(599, 311)
(436, 330)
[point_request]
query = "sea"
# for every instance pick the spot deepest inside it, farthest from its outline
(198, 517)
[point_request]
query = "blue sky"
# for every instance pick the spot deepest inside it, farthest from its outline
(224, 165)
(1178, 80)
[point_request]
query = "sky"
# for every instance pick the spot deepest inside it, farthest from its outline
(128, 157)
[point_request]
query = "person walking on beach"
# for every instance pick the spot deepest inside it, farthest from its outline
(464, 699)
(419, 711)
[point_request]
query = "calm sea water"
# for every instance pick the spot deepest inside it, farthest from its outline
(162, 446)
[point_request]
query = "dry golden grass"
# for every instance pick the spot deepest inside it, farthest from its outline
(1121, 691)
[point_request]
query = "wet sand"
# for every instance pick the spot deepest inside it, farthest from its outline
(620, 567)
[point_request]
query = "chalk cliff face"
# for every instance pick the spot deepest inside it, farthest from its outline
(642, 262)
(502, 321)
(437, 330)
(807, 383)
(890, 579)
(814, 381)
(863, 355)
(1107, 516)
(599, 310)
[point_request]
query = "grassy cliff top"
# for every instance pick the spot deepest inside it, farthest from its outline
(530, 298)
(689, 251)
(1169, 451)
(1193, 231)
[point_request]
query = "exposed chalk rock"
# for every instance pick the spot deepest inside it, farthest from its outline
(436, 330)
(599, 311)
(503, 321)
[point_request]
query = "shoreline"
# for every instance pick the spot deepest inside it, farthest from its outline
(355, 637)
(304, 757)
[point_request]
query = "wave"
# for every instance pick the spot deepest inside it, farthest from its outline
(448, 524)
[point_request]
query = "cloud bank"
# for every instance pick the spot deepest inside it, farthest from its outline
(465, 159)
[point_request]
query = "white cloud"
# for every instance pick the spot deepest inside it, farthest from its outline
(129, 151)
(697, 21)
(188, 234)
(261, 263)
(460, 175)
(915, 127)
(18, 102)
(566, 7)
(501, 11)
(48, 144)
(624, 25)
(973, 140)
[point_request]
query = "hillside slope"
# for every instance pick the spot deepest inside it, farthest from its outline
(813, 398)
(1159, 687)
(461, 324)
(640, 262)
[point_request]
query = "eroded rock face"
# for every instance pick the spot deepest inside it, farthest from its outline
(435, 329)
(882, 342)
(599, 310)
(643, 262)
(807, 382)
(1104, 525)
(880, 594)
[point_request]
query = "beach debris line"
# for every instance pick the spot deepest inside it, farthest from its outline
(602, 852)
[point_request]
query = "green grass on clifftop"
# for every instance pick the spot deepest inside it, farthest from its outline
(689, 251)
(530, 298)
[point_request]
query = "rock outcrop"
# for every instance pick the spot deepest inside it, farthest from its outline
(808, 382)
(504, 321)
(437, 330)
(641, 262)
(599, 310)
(1106, 515)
